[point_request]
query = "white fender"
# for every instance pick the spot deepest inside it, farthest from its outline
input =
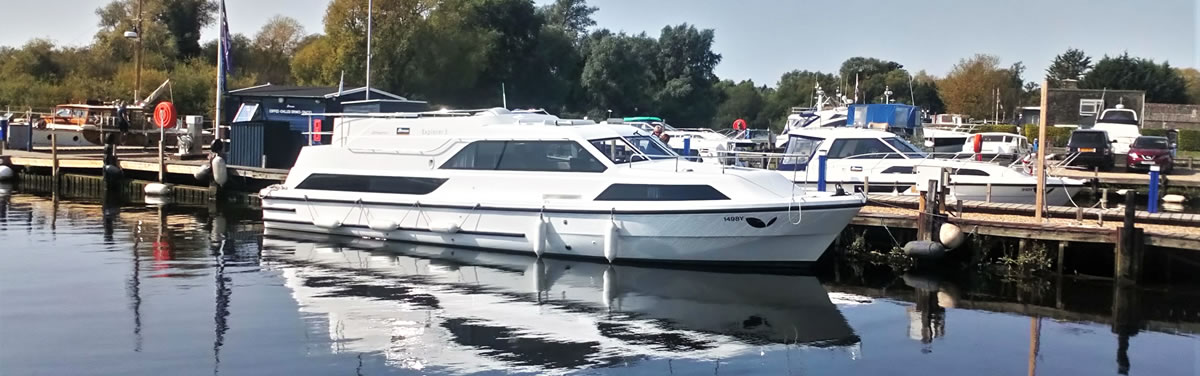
(219, 172)
(6, 173)
(445, 227)
(538, 272)
(327, 223)
(950, 236)
(611, 237)
(537, 236)
(157, 189)
(157, 200)
(1174, 199)
(6, 189)
(383, 226)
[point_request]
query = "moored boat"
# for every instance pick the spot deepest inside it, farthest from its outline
(536, 184)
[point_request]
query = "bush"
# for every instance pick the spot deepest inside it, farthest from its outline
(1057, 136)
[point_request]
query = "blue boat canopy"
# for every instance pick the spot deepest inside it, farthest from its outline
(894, 117)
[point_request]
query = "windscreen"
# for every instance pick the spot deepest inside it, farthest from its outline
(1087, 138)
(1151, 143)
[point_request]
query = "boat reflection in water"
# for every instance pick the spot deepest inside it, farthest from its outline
(467, 311)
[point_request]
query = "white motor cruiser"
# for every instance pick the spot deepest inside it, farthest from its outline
(857, 158)
(533, 183)
(708, 144)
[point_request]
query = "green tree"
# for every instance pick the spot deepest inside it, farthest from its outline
(184, 19)
(617, 74)
(274, 46)
(925, 93)
(969, 87)
(1069, 65)
(794, 89)
(572, 16)
(1191, 77)
(741, 100)
(873, 77)
(1162, 83)
(684, 75)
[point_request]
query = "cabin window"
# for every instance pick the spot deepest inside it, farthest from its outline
(898, 170)
(970, 172)
(862, 148)
(799, 151)
(649, 192)
(904, 147)
(371, 184)
(556, 156)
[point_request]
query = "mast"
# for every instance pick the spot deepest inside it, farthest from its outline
(370, 8)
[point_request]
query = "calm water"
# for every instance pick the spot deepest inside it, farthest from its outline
(115, 289)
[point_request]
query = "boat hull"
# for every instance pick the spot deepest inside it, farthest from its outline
(751, 236)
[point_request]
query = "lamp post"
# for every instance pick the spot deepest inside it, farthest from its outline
(887, 94)
(136, 36)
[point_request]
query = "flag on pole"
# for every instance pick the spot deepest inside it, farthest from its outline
(225, 56)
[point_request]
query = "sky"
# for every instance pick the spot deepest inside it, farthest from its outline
(761, 39)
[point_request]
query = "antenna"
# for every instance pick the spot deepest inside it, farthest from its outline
(370, 8)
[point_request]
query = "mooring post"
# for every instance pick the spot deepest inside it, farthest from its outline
(1104, 198)
(1128, 254)
(929, 207)
(1125, 321)
(988, 197)
(29, 130)
(3, 135)
(54, 154)
(1152, 200)
(1062, 251)
(866, 185)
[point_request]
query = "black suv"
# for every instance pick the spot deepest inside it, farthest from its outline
(1093, 147)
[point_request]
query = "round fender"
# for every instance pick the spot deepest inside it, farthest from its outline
(327, 223)
(951, 236)
(537, 236)
(611, 237)
(924, 249)
(219, 171)
(6, 173)
(157, 189)
(204, 173)
(383, 226)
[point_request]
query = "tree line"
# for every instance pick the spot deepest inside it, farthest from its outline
(459, 53)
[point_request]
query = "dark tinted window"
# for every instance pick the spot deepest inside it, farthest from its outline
(1119, 117)
(970, 172)
(1150, 143)
(898, 170)
(565, 156)
(1088, 138)
(868, 148)
(371, 184)
(644, 192)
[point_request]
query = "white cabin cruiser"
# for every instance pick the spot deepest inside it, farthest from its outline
(536, 184)
(887, 163)
(1122, 126)
(708, 144)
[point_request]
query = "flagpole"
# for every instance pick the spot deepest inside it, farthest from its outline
(370, 8)
(220, 72)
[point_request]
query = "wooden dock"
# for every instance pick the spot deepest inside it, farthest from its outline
(131, 160)
(1078, 213)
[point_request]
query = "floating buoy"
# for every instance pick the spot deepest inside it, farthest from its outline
(445, 227)
(383, 226)
(219, 172)
(1122, 192)
(1174, 199)
(6, 173)
(327, 223)
(950, 235)
(924, 249)
(537, 236)
(5, 189)
(611, 236)
(157, 189)
(1173, 207)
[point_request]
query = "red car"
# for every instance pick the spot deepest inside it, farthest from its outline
(1149, 151)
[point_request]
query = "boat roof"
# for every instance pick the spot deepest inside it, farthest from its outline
(642, 118)
(1000, 134)
(839, 132)
(498, 123)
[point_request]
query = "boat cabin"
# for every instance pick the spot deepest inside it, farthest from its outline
(803, 146)
(99, 116)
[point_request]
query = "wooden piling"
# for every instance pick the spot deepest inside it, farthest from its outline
(1062, 252)
(1127, 261)
(54, 153)
(988, 197)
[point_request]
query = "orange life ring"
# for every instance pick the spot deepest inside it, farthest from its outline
(164, 115)
(739, 124)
